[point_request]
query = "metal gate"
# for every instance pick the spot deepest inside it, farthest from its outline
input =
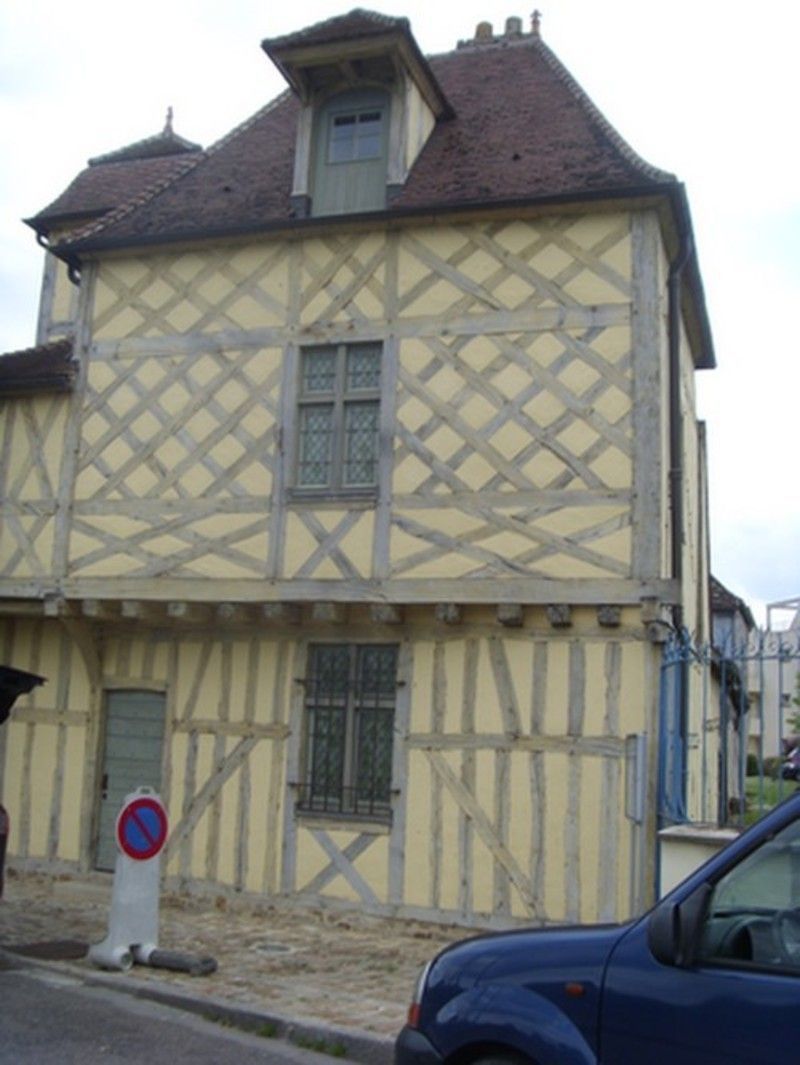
(726, 726)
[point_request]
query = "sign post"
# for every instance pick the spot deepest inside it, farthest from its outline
(141, 832)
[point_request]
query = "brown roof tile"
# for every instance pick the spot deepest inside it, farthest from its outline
(45, 368)
(529, 133)
(117, 177)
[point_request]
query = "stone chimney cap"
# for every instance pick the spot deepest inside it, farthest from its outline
(484, 31)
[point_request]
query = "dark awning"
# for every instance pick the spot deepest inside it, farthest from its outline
(14, 682)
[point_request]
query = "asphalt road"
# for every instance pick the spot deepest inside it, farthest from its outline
(47, 1017)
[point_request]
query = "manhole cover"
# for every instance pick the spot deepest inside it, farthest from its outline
(52, 950)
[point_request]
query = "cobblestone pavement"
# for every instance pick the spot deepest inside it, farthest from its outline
(344, 970)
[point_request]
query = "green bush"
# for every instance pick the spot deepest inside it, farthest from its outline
(751, 768)
(772, 767)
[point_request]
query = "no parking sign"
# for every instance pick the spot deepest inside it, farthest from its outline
(141, 828)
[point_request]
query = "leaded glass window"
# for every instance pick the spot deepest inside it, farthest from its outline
(338, 418)
(350, 703)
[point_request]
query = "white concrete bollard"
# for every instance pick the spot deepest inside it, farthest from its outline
(141, 832)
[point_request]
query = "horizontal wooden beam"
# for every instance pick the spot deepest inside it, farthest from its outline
(600, 746)
(525, 319)
(213, 727)
(534, 591)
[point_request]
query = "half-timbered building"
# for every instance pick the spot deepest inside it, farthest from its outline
(352, 489)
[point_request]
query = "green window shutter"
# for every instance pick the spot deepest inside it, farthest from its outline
(351, 141)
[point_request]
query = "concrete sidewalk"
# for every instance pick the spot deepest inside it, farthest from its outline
(339, 981)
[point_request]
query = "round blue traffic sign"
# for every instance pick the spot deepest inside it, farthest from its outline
(142, 828)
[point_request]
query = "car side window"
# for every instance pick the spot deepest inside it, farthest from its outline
(754, 914)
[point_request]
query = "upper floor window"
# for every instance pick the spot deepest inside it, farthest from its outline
(355, 136)
(338, 417)
(351, 141)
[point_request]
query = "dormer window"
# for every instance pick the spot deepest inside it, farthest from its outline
(369, 101)
(355, 136)
(351, 147)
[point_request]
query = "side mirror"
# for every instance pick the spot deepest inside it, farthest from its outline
(673, 932)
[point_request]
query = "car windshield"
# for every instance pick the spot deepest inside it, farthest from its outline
(767, 880)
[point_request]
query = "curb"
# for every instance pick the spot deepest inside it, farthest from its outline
(349, 1044)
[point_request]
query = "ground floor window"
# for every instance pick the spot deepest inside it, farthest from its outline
(349, 722)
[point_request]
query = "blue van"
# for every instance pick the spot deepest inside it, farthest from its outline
(711, 976)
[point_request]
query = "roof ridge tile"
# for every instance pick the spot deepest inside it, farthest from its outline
(126, 154)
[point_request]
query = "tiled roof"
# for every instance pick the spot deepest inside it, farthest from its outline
(45, 368)
(165, 143)
(529, 133)
(100, 188)
(117, 177)
(355, 24)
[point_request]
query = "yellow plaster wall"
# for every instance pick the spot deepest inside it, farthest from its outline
(42, 751)
(65, 296)
(250, 678)
(491, 402)
(433, 875)
(32, 443)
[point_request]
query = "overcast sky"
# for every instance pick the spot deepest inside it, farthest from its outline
(705, 89)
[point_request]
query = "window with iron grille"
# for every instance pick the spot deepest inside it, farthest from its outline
(338, 418)
(349, 706)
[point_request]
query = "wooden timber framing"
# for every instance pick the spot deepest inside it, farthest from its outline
(512, 551)
(128, 513)
(220, 766)
(649, 413)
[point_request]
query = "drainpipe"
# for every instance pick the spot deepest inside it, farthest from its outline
(674, 282)
(677, 266)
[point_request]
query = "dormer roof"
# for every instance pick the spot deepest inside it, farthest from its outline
(349, 50)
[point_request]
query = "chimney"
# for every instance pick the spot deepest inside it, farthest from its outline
(513, 26)
(483, 31)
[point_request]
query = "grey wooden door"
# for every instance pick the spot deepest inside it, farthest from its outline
(132, 752)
